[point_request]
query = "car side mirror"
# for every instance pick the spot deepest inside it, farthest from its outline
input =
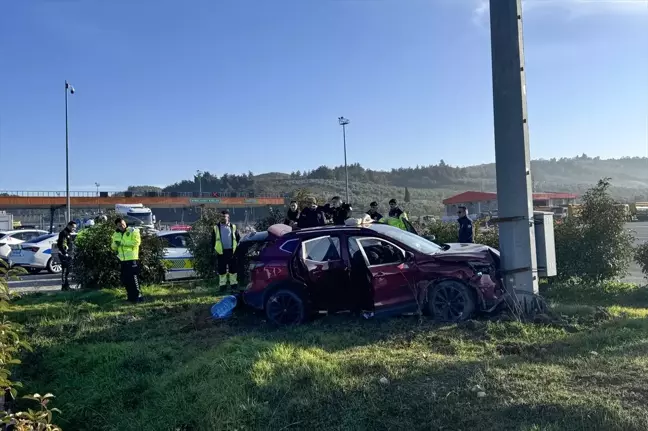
(409, 256)
(430, 237)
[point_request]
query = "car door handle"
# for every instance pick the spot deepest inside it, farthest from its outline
(380, 274)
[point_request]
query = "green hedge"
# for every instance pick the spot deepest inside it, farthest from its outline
(95, 265)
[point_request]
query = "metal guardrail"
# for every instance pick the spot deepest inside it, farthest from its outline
(90, 194)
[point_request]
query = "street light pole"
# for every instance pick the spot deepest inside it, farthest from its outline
(69, 88)
(98, 203)
(199, 175)
(343, 122)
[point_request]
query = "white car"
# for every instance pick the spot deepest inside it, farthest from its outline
(13, 237)
(36, 254)
(178, 258)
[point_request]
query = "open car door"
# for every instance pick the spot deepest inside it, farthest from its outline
(325, 273)
(392, 278)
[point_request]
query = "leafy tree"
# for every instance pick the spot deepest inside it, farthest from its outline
(96, 266)
(275, 216)
(12, 345)
(595, 245)
(143, 189)
(204, 258)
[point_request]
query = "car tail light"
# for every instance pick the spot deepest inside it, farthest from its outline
(32, 249)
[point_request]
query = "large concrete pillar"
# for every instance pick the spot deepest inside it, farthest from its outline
(513, 165)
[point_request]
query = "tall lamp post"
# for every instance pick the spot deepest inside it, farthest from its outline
(70, 89)
(199, 175)
(98, 203)
(343, 122)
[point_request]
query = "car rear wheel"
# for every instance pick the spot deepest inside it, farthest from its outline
(54, 267)
(451, 301)
(285, 307)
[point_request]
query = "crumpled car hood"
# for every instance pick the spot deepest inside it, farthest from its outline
(459, 248)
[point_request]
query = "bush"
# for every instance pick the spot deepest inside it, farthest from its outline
(275, 216)
(444, 232)
(11, 345)
(204, 259)
(489, 237)
(594, 245)
(96, 266)
(641, 258)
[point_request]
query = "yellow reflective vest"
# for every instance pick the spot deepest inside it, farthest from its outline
(396, 221)
(127, 244)
(218, 244)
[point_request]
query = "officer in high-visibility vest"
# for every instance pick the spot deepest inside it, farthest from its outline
(126, 243)
(225, 238)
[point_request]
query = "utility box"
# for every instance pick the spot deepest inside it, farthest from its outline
(543, 223)
(6, 221)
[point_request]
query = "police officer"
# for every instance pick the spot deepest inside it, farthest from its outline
(395, 211)
(465, 226)
(373, 211)
(64, 244)
(340, 211)
(312, 215)
(225, 239)
(126, 243)
(292, 215)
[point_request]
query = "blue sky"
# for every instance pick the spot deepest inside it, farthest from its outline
(167, 87)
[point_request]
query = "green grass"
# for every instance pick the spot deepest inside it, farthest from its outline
(164, 365)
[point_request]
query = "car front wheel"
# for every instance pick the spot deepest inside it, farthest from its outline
(451, 301)
(53, 267)
(285, 307)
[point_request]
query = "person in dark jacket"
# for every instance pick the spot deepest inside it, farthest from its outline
(292, 215)
(465, 226)
(311, 216)
(394, 210)
(373, 212)
(340, 211)
(64, 245)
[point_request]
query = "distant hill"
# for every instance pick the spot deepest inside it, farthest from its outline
(429, 185)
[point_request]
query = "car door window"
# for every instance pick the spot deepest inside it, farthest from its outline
(380, 252)
(20, 236)
(176, 241)
(322, 249)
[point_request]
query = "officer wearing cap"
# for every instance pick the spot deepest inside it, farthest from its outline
(373, 211)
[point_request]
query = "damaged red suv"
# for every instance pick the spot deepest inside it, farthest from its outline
(372, 268)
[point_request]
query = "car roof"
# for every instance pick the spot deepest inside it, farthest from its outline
(327, 230)
(41, 238)
(170, 232)
(11, 232)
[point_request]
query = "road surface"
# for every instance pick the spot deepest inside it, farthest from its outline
(641, 235)
(36, 283)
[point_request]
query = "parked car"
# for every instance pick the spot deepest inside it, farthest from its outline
(177, 256)
(180, 260)
(36, 254)
(292, 274)
(13, 237)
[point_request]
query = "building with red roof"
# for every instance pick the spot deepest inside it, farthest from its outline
(484, 202)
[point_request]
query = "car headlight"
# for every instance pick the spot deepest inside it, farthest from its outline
(481, 268)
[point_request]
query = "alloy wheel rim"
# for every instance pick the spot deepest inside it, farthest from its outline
(285, 309)
(449, 303)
